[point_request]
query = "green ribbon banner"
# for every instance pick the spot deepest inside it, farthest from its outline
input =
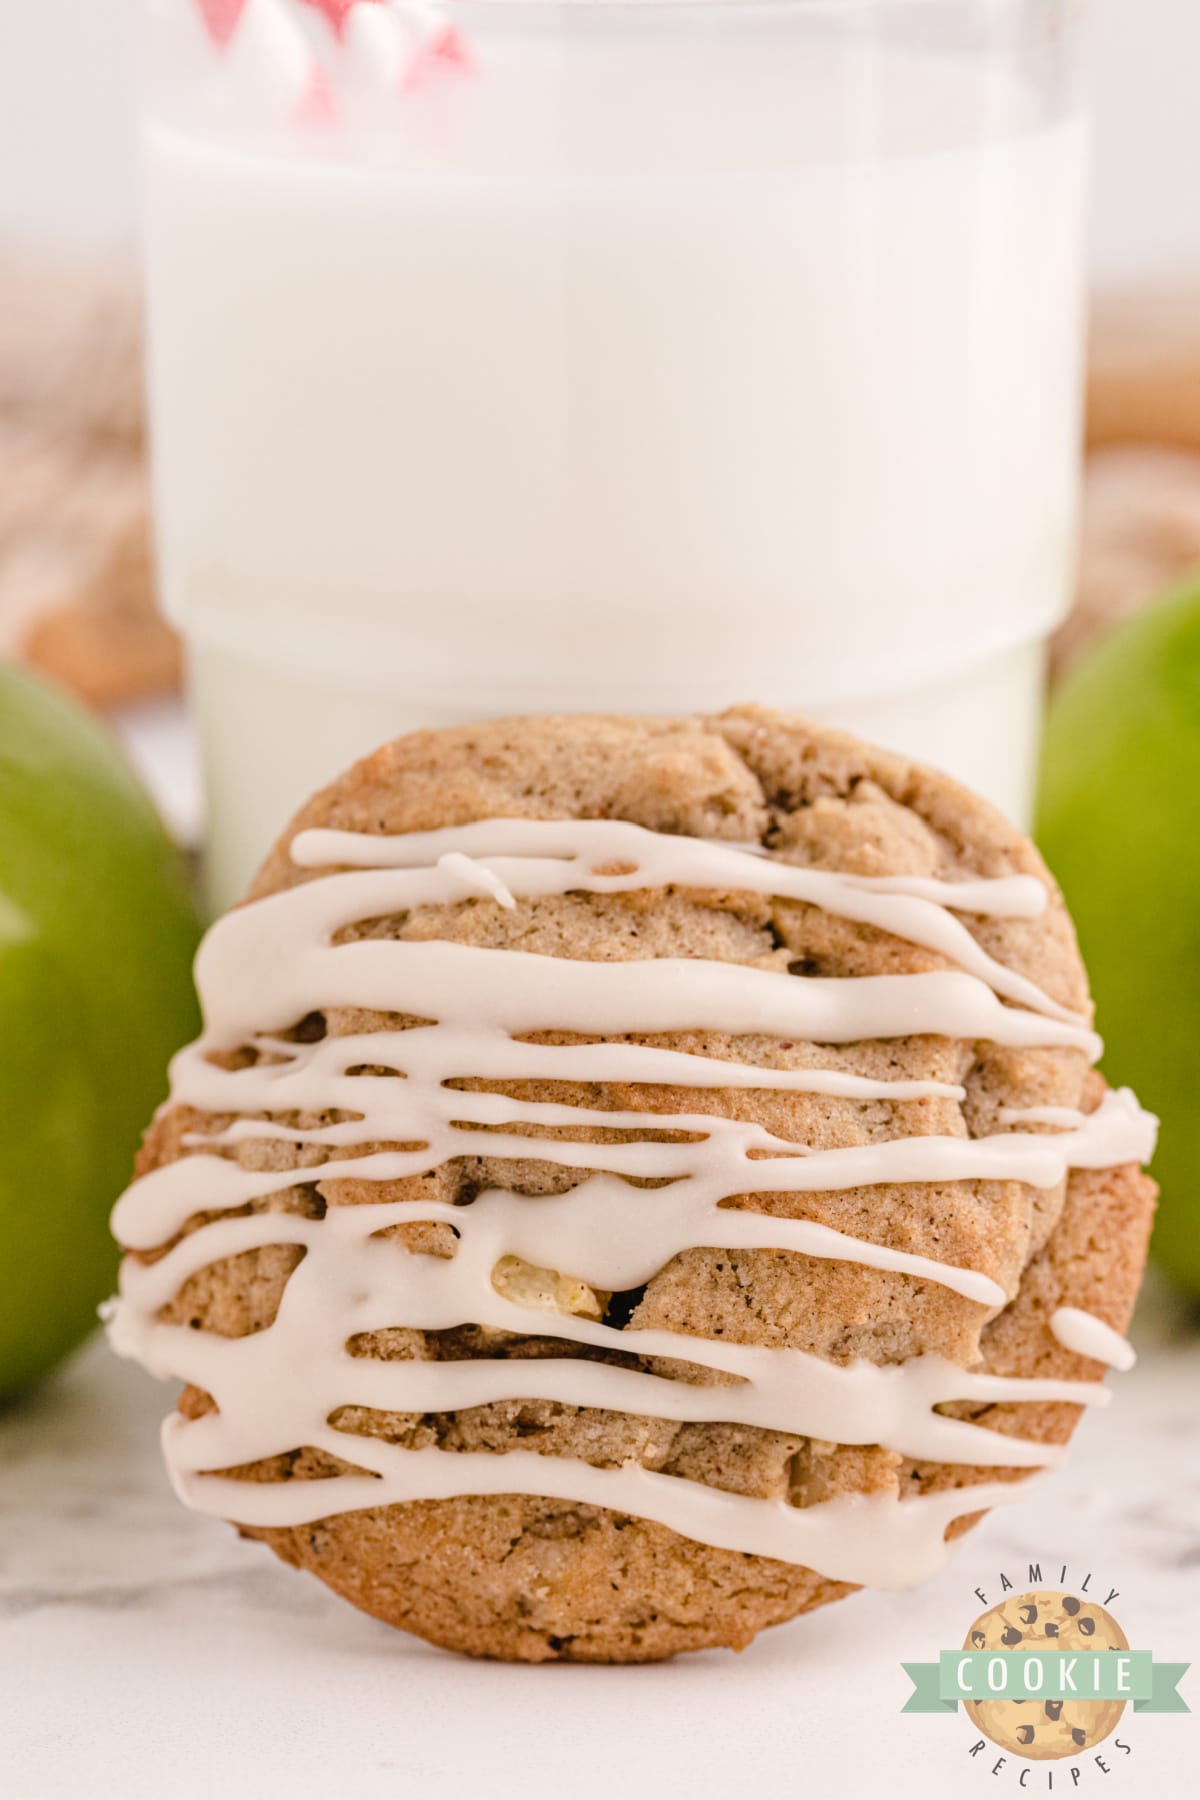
(959, 1675)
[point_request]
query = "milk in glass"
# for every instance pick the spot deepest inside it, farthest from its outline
(665, 357)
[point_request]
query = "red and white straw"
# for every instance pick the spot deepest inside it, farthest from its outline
(305, 59)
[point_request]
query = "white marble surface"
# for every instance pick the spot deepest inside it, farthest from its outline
(147, 1652)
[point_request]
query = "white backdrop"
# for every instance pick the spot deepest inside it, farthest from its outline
(67, 166)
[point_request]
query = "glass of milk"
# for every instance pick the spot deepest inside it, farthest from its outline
(642, 355)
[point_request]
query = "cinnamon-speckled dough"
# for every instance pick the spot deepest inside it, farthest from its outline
(532, 1579)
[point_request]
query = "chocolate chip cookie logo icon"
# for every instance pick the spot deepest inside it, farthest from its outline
(1046, 1674)
(1066, 1723)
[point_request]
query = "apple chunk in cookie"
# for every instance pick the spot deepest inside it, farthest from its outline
(620, 1195)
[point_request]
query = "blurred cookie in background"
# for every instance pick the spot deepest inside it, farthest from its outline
(77, 595)
(1141, 534)
(1141, 498)
(71, 347)
(104, 640)
(1144, 374)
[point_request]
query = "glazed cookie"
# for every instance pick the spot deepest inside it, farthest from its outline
(639, 1180)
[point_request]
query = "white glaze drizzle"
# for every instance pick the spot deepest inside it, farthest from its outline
(1086, 1335)
(538, 858)
(869, 1539)
(1069, 1118)
(268, 965)
(285, 1381)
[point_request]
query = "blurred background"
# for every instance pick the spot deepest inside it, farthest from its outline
(75, 573)
(66, 145)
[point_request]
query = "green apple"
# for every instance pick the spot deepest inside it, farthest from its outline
(97, 934)
(1119, 822)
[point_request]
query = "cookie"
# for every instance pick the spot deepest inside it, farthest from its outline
(77, 593)
(102, 637)
(1141, 536)
(1060, 1726)
(71, 348)
(623, 1192)
(1144, 374)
